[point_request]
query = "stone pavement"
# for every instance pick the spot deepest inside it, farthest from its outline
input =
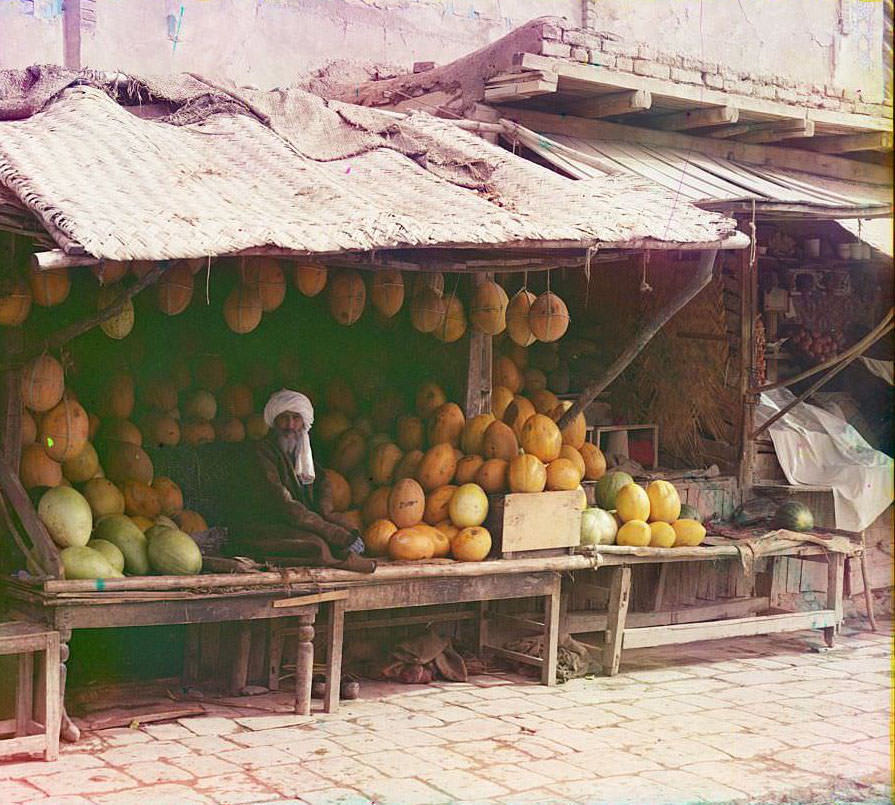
(763, 719)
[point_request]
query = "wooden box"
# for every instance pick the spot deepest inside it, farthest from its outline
(540, 521)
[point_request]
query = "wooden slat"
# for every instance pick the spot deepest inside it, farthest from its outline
(697, 118)
(847, 143)
(520, 90)
(786, 130)
(618, 103)
(738, 627)
(304, 600)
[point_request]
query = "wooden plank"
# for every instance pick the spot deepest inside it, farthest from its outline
(519, 90)
(517, 656)
(835, 580)
(697, 118)
(783, 131)
(15, 493)
(533, 521)
(304, 600)
(848, 143)
(478, 371)
(552, 607)
(335, 634)
(776, 157)
(71, 34)
(617, 103)
(239, 669)
(584, 74)
(619, 595)
(25, 693)
(738, 627)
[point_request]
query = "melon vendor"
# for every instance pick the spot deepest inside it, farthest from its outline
(286, 512)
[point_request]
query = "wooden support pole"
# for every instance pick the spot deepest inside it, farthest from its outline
(700, 279)
(71, 34)
(335, 635)
(619, 594)
(698, 118)
(835, 581)
(618, 103)
(478, 373)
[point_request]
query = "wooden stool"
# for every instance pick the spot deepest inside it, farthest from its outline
(25, 639)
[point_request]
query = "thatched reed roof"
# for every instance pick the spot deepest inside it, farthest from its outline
(220, 171)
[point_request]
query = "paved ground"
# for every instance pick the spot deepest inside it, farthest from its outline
(755, 720)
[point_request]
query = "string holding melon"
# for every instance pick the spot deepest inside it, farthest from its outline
(309, 278)
(518, 310)
(548, 317)
(488, 308)
(347, 296)
(43, 383)
(109, 272)
(15, 305)
(243, 309)
(265, 276)
(174, 290)
(453, 326)
(433, 280)
(387, 291)
(427, 310)
(50, 286)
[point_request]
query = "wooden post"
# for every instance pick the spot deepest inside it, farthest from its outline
(748, 311)
(191, 654)
(478, 375)
(835, 579)
(551, 633)
(25, 693)
(865, 579)
(240, 669)
(53, 705)
(71, 33)
(275, 653)
(619, 594)
(335, 634)
(304, 665)
(702, 278)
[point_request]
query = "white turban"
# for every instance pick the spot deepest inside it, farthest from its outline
(296, 403)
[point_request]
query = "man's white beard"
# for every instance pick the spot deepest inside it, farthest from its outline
(289, 444)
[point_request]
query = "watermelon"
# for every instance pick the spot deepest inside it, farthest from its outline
(794, 517)
(689, 512)
(66, 515)
(598, 527)
(608, 486)
(173, 552)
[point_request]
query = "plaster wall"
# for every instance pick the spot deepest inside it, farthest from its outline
(269, 42)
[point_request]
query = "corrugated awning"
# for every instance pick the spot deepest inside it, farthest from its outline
(708, 181)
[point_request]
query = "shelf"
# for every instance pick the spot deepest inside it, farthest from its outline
(821, 262)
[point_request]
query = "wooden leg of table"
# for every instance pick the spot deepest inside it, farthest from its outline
(659, 600)
(482, 628)
(335, 634)
(25, 693)
(191, 650)
(865, 578)
(551, 633)
(304, 666)
(53, 699)
(275, 655)
(619, 593)
(239, 671)
(835, 580)
(68, 730)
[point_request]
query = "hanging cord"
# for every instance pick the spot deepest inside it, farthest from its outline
(645, 287)
(753, 247)
(587, 256)
(208, 281)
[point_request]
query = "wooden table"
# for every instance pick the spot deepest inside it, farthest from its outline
(733, 618)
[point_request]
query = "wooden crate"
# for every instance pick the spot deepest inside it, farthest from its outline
(541, 521)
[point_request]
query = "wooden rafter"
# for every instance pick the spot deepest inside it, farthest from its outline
(784, 130)
(846, 143)
(618, 103)
(698, 118)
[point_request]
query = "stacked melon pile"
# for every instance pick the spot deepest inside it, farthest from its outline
(109, 493)
(630, 515)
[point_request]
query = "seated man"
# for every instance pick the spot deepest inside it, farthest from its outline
(287, 510)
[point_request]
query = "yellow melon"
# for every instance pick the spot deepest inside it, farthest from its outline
(141, 500)
(501, 397)
(120, 430)
(406, 503)
(569, 452)
(575, 433)
(548, 317)
(235, 400)
(446, 424)
(562, 475)
(492, 476)
(518, 311)
(634, 533)
(527, 473)
(518, 413)
(437, 502)
(377, 536)
(540, 437)
(346, 296)
(472, 544)
(474, 433)
(544, 401)
(661, 535)
(309, 278)
(120, 324)
(488, 308)
(534, 380)
(408, 466)
(505, 373)
(665, 503)
(688, 533)
(594, 461)
(330, 425)
(29, 427)
(387, 291)
(467, 467)
(411, 545)
(384, 459)
(349, 451)
(632, 503)
(437, 467)
(468, 506)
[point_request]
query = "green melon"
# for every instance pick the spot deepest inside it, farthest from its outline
(66, 514)
(689, 512)
(608, 487)
(111, 552)
(598, 527)
(794, 516)
(122, 532)
(81, 562)
(173, 552)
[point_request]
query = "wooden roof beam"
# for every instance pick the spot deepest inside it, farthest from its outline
(617, 103)
(698, 118)
(509, 88)
(847, 143)
(784, 130)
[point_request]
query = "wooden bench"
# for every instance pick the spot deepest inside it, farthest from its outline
(40, 734)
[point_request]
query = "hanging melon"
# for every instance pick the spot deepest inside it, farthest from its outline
(347, 296)
(197, 431)
(174, 289)
(243, 309)
(38, 469)
(63, 430)
(43, 383)
(310, 279)
(427, 310)
(548, 317)
(49, 287)
(428, 279)
(266, 277)
(387, 291)
(518, 310)
(120, 325)
(453, 325)
(110, 271)
(488, 308)
(15, 304)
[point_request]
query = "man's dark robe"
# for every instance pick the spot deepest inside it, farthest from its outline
(278, 516)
